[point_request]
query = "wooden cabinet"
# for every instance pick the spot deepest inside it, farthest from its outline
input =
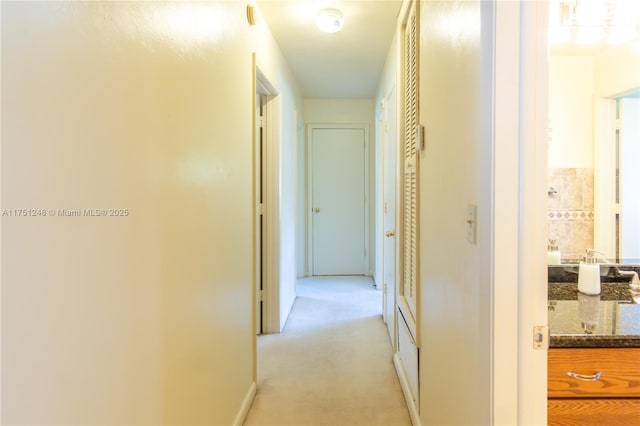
(594, 386)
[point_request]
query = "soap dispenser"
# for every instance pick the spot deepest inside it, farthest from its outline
(553, 254)
(589, 312)
(589, 274)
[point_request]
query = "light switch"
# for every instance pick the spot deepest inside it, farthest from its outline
(472, 221)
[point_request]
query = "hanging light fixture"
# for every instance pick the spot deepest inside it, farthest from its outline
(329, 20)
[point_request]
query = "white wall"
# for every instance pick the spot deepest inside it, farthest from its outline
(285, 191)
(574, 82)
(345, 111)
(287, 183)
(338, 111)
(617, 70)
(455, 330)
(146, 106)
(301, 202)
(571, 91)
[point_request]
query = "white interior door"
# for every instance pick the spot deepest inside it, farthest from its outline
(407, 355)
(338, 200)
(260, 194)
(389, 209)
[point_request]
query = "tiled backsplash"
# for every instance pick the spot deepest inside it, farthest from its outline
(570, 214)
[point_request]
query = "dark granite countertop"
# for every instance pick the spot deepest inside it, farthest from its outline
(611, 319)
(609, 273)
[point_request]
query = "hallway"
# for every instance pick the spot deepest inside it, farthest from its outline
(333, 362)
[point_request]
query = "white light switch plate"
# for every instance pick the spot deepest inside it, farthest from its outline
(472, 221)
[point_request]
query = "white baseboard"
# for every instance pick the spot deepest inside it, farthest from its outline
(246, 405)
(406, 390)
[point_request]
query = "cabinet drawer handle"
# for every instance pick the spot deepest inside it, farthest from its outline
(592, 378)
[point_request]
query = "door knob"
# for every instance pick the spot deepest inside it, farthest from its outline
(390, 234)
(317, 210)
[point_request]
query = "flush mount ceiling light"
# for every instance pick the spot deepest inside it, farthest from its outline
(330, 20)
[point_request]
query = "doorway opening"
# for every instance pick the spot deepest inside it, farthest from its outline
(617, 204)
(264, 95)
(592, 96)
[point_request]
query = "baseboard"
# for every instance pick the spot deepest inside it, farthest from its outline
(406, 390)
(246, 405)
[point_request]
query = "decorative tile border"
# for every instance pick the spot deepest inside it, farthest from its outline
(574, 215)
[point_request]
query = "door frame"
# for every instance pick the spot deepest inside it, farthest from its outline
(605, 208)
(604, 192)
(259, 141)
(519, 180)
(390, 141)
(271, 212)
(310, 129)
(629, 136)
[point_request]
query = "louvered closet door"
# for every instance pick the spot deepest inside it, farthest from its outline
(408, 288)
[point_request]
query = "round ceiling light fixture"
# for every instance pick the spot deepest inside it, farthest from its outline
(330, 20)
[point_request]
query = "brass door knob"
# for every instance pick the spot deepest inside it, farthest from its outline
(390, 234)
(317, 210)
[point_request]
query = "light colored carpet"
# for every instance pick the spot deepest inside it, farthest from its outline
(332, 365)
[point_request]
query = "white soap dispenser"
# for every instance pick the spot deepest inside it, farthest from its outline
(589, 312)
(589, 274)
(553, 254)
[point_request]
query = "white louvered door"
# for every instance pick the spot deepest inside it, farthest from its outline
(408, 288)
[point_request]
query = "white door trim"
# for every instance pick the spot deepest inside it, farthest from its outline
(378, 199)
(390, 140)
(604, 189)
(271, 222)
(502, 258)
(310, 129)
(519, 184)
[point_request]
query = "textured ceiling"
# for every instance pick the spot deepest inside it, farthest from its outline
(347, 64)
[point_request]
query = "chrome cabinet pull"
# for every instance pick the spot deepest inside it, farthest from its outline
(591, 378)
